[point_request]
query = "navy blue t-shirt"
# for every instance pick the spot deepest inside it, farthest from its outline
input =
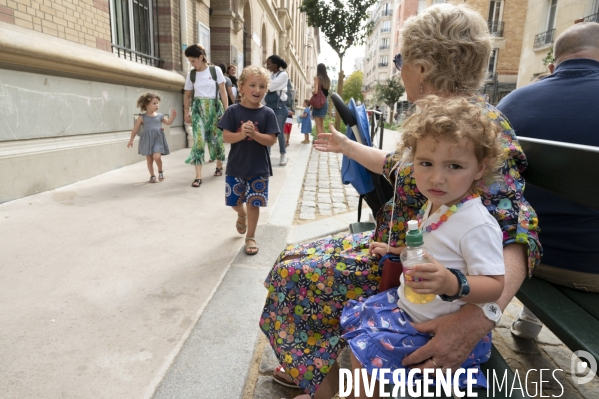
(561, 107)
(248, 158)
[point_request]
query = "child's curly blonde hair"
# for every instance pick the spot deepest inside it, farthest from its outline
(454, 119)
(256, 71)
(145, 99)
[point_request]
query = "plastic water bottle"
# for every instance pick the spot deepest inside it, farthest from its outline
(412, 255)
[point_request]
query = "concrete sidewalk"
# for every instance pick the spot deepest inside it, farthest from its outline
(104, 280)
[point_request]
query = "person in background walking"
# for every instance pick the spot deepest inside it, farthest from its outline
(228, 84)
(306, 122)
(277, 96)
(152, 141)
(231, 71)
(204, 111)
(288, 126)
(251, 128)
(321, 82)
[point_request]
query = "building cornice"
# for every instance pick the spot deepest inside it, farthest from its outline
(272, 14)
(27, 50)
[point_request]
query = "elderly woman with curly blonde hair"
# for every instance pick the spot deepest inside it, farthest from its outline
(445, 52)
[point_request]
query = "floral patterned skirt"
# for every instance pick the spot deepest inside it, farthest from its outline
(306, 295)
(204, 119)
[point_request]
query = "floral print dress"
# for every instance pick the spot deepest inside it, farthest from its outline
(307, 293)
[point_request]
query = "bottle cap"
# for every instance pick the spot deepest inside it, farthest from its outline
(414, 236)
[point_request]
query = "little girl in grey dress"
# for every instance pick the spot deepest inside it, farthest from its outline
(152, 142)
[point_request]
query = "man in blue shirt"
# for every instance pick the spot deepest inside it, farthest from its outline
(563, 106)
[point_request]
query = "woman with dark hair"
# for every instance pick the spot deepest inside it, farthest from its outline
(204, 110)
(321, 82)
(228, 83)
(446, 51)
(277, 96)
(231, 71)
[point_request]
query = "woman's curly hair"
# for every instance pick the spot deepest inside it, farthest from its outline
(454, 119)
(453, 42)
(256, 71)
(145, 99)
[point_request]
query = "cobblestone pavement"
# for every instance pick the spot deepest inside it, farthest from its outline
(323, 193)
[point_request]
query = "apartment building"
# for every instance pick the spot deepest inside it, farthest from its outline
(545, 21)
(378, 60)
(72, 70)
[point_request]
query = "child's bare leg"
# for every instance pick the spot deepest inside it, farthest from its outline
(253, 215)
(307, 136)
(150, 163)
(356, 365)
(330, 385)
(158, 159)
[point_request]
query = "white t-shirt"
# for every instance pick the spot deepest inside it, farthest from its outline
(204, 85)
(470, 241)
(278, 83)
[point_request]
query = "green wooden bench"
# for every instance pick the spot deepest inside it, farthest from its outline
(572, 315)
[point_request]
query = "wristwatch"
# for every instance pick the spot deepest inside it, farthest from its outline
(491, 310)
(463, 286)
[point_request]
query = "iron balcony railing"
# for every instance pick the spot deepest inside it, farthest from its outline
(544, 38)
(383, 64)
(384, 47)
(496, 28)
(136, 56)
(383, 30)
(592, 18)
(386, 13)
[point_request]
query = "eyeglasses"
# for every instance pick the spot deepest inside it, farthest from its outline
(398, 61)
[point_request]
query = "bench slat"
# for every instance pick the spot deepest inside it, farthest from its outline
(549, 159)
(575, 327)
(589, 301)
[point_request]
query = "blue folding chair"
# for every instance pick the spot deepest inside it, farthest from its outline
(373, 188)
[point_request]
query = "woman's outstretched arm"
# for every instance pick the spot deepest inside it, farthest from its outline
(369, 157)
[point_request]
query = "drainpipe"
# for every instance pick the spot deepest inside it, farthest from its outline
(183, 25)
(184, 63)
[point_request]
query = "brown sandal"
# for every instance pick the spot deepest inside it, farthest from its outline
(218, 172)
(249, 248)
(241, 227)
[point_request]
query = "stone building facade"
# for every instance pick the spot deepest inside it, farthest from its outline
(545, 21)
(378, 59)
(72, 70)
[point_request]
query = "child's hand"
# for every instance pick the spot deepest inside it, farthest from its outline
(439, 280)
(130, 144)
(173, 113)
(379, 249)
(248, 129)
(187, 117)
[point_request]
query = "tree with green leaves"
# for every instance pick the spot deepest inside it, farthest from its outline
(343, 24)
(390, 92)
(352, 87)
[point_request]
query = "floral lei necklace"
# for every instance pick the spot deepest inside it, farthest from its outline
(453, 209)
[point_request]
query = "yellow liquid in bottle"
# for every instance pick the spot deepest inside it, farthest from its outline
(417, 298)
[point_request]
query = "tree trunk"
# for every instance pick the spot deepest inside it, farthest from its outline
(339, 91)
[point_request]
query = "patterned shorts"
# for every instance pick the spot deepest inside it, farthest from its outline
(252, 191)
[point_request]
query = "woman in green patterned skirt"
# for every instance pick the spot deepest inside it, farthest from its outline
(204, 84)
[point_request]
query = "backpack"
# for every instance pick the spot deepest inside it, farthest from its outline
(290, 92)
(192, 77)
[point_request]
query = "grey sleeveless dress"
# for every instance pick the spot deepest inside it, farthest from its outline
(152, 139)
